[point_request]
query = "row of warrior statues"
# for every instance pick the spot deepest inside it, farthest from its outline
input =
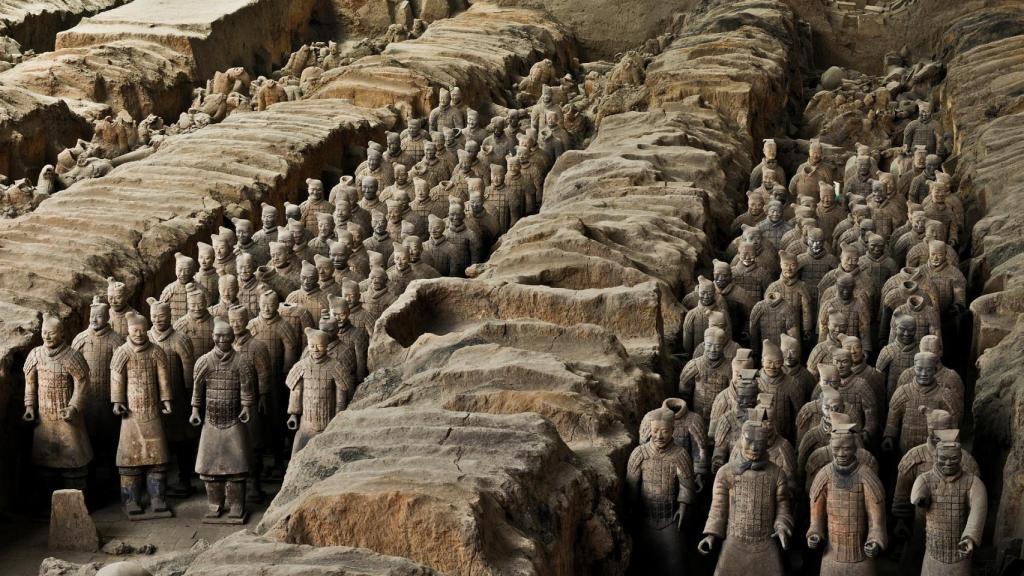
(265, 333)
(814, 390)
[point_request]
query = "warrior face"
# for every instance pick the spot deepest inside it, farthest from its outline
(98, 318)
(184, 272)
(948, 460)
(844, 449)
(661, 433)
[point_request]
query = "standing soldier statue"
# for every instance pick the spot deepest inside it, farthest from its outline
(320, 388)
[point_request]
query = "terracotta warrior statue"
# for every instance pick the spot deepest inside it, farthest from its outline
(225, 386)
(117, 297)
(696, 320)
(181, 438)
(175, 293)
(750, 506)
(224, 251)
(795, 292)
(770, 319)
(247, 243)
(727, 422)
(906, 426)
(736, 299)
(754, 215)
(206, 277)
(314, 204)
(197, 324)
(792, 365)
(140, 389)
(788, 394)
(352, 336)
(924, 131)
(811, 174)
(847, 510)
(689, 432)
(955, 504)
(56, 385)
(320, 388)
(749, 274)
(659, 477)
(267, 234)
(770, 163)
(97, 344)
(705, 376)
(815, 263)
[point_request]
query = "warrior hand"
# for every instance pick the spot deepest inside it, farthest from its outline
(887, 444)
(813, 541)
(194, 419)
(872, 549)
(243, 417)
(167, 408)
(783, 535)
(261, 407)
(923, 500)
(678, 516)
(706, 545)
(120, 409)
(69, 413)
(30, 414)
(965, 547)
(293, 422)
(698, 481)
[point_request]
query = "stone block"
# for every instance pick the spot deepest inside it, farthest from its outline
(71, 527)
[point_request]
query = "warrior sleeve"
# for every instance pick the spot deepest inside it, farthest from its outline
(344, 385)
(874, 504)
(806, 314)
(79, 370)
(31, 378)
(719, 408)
(783, 504)
(118, 378)
(188, 360)
(633, 473)
(718, 515)
(755, 324)
(199, 381)
(684, 475)
(921, 489)
(248, 382)
(978, 501)
(698, 443)
(687, 379)
(819, 504)
(163, 376)
(897, 407)
(872, 416)
(261, 366)
(905, 477)
(291, 343)
(688, 343)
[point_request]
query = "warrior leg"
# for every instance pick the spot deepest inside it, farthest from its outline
(131, 489)
(156, 485)
(214, 495)
(235, 496)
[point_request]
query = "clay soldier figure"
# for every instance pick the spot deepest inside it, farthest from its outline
(320, 388)
(849, 229)
(521, 188)
(341, 255)
(918, 254)
(224, 251)
(937, 207)
(197, 324)
(794, 291)
(847, 510)
(855, 309)
(420, 269)
(56, 385)
(502, 144)
(920, 310)
(811, 173)
(357, 314)
(737, 299)
(249, 286)
(206, 278)
(728, 414)
(860, 184)
(769, 163)
(771, 318)
(423, 204)
(466, 248)
(955, 504)
(808, 416)
(413, 142)
(829, 213)
(267, 234)
(402, 184)
(706, 375)
(309, 295)
(225, 385)
(180, 365)
(498, 200)
(886, 214)
(369, 186)
(325, 273)
(815, 263)
(775, 226)
(359, 258)
(351, 336)
(401, 274)
(282, 343)
(253, 352)
(822, 351)
(754, 215)
(97, 344)
(821, 456)
(924, 131)
(481, 221)
(780, 451)
(378, 172)
(393, 155)
(321, 243)
(750, 506)
(919, 185)
(829, 401)
(878, 266)
(718, 320)
(688, 431)
(919, 460)
(381, 241)
(117, 297)
(947, 377)
(906, 426)
(795, 241)
(792, 355)
(227, 287)
(906, 179)
(786, 393)
(445, 115)
(378, 295)
(438, 252)
(948, 280)
(659, 478)
(696, 320)
(140, 389)
(898, 355)
(286, 269)
(533, 173)
(300, 241)
(247, 244)
(912, 237)
(175, 293)
(749, 274)
(860, 400)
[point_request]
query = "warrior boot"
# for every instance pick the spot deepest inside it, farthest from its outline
(235, 498)
(156, 485)
(131, 493)
(214, 498)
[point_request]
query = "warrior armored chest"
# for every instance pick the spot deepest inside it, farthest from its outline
(660, 486)
(709, 382)
(752, 506)
(143, 385)
(847, 516)
(56, 385)
(223, 392)
(947, 516)
(319, 395)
